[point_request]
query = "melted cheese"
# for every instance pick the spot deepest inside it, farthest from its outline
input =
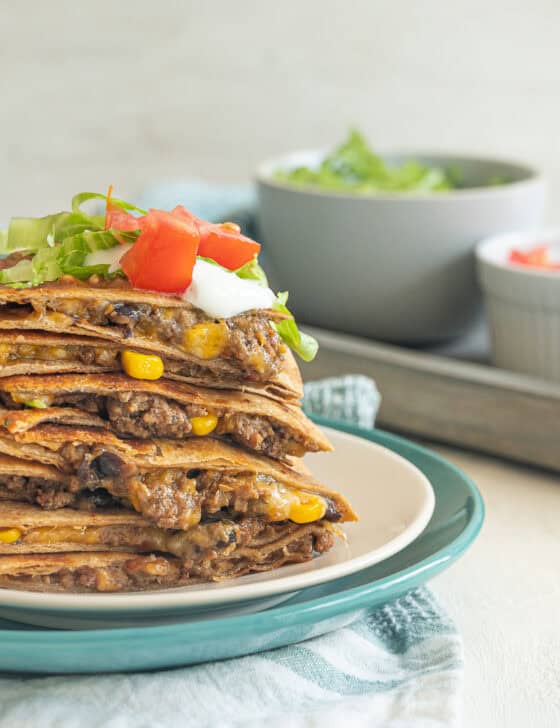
(294, 505)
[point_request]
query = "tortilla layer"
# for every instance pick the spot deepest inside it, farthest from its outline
(256, 422)
(174, 484)
(247, 344)
(124, 571)
(42, 352)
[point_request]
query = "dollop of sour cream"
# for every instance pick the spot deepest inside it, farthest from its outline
(111, 256)
(222, 294)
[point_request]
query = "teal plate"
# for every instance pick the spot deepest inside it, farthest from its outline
(457, 518)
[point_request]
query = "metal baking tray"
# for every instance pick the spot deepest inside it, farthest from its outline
(451, 394)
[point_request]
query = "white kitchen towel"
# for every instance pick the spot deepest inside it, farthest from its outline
(400, 667)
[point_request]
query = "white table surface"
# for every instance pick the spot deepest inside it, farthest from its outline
(504, 596)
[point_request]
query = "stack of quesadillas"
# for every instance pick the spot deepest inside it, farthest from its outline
(151, 429)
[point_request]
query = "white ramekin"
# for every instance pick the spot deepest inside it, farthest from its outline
(523, 304)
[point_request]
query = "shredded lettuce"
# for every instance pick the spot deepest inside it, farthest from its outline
(252, 271)
(21, 272)
(60, 243)
(33, 233)
(66, 258)
(79, 199)
(303, 344)
(354, 167)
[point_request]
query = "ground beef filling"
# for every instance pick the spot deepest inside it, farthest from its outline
(48, 494)
(248, 339)
(173, 498)
(263, 435)
(136, 414)
(139, 573)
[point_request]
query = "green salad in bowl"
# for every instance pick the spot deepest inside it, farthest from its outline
(354, 167)
(382, 247)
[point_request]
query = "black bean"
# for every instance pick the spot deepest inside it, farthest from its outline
(107, 465)
(124, 313)
(100, 498)
(127, 309)
(331, 514)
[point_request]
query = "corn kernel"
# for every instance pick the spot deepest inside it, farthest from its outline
(105, 582)
(206, 340)
(204, 425)
(142, 366)
(309, 508)
(158, 567)
(9, 535)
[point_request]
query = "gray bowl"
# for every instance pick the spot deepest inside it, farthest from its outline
(397, 267)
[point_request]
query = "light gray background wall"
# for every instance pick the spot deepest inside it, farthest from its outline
(127, 92)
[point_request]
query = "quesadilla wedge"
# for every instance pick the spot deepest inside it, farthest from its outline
(147, 409)
(41, 352)
(174, 484)
(165, 281)
(247, 344)
(52, 555)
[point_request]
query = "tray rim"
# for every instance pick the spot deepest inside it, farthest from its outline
(283, 616)
(433, 362)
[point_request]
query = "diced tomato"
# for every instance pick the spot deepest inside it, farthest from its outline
(226, 247)
(184, 214)
(116, 218)
(517, 256)
(223, 242)
(163, 257)
(537, 257)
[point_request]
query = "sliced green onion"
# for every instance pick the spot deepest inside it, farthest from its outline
(36, 403)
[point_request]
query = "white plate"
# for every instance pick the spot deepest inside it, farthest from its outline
(393, 499)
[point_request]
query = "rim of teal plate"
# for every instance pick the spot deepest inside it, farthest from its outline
(283, 616)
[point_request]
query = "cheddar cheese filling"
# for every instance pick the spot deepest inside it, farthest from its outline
(249, 341)
(190, 544)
